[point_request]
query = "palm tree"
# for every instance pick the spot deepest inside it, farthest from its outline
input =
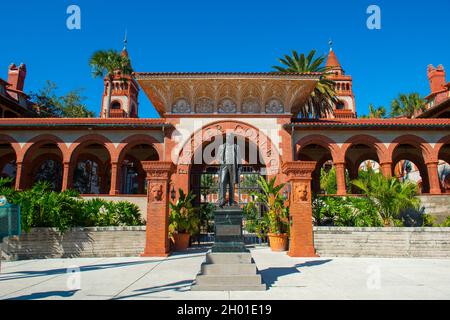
(107, 64)
(407, 105)
(388, 195)
(323, 98)
(375, 113)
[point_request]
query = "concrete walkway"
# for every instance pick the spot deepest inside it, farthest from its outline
(171, 278)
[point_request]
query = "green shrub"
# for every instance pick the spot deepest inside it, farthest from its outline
(254, 223)
(128, 214)
(446, 222)
(42, 207)
(345, 212)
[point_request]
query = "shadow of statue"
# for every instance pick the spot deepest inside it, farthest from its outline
(272, 275)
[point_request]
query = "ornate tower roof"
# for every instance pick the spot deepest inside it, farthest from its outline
(332, 61)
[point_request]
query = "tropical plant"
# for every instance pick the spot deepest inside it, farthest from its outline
(446, 223)
(277, 214)
(43, 207)
(6, 188)
(183, 217)
(206, 215)
(407, 105)
(107, 64)
(388, 195)
(328, 182)
(375, 112)
(345, 212)
(253, 222)
(323, 98)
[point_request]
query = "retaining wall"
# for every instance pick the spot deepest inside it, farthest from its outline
(382, 242)
(42, 243)
(329, 242)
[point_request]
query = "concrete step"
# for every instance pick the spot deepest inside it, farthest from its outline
(229, 281)
(260, 287)
(228, 269)
(229, 258)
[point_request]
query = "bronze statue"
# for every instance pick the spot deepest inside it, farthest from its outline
(230, 162)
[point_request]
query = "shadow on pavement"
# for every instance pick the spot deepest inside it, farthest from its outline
(180, 286)
(271, 275)
(51, 272)
(43, 295)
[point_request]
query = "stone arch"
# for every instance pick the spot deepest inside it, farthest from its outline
(128, 143)
(440, 144)
(427, 151)
(79, 152)
(369, 141)
(14, 144)
(89, 139)
(131, 154)
(419, 163)
(37, 171)
(323, 141)
(39, 140)
(269, 151)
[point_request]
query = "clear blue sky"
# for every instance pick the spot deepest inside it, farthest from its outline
(207, 35)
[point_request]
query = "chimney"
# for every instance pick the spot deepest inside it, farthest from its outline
(436, 77)
(16, 76)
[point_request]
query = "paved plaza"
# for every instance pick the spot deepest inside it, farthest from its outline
(171, 278)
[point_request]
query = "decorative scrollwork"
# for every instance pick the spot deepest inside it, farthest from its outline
(181, 106)
(204, 105)
(251, 106)
(274, 106)
(227, 106)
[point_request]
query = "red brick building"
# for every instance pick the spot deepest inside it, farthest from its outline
(113, 156)
(14, 102)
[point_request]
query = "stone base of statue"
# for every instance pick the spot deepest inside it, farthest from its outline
(228, 230)
(229, 266)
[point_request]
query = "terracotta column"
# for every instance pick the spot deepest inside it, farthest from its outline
(20, 176)
(65, 176)
(386, 169)
(301, 233)
(340, 178)
(115, 182)
(157, 233)
(435, 186)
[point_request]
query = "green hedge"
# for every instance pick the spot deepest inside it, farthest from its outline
(42, 207)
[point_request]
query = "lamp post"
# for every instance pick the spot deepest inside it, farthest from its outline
(287, 191)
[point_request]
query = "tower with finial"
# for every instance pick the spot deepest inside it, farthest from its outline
(345, 107)
(124, 95)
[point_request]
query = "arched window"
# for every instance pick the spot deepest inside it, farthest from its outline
(340, 105)
(115, 105)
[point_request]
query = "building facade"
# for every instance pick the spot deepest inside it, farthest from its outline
(121, 155)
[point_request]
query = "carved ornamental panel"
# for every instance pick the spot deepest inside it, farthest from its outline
(251, 106)
(227, 106)
(181, 106)
(204, 105)
(274, 106)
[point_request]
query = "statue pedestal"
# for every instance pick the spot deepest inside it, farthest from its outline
(229, 267)
(228, 230)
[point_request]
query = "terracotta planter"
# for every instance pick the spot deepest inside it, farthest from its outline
(181, 241)
(278, 242)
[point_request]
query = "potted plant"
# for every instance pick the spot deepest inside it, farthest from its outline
(276, 214)
(183, 221)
